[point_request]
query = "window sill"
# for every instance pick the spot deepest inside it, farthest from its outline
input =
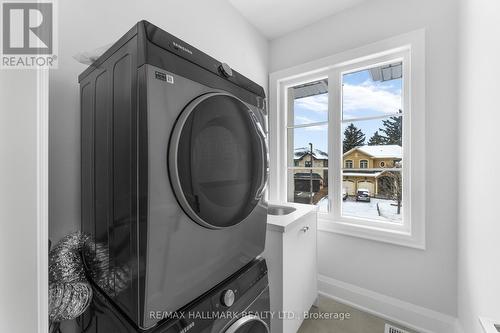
(372, 233)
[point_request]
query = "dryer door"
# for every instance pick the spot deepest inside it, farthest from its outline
(218, 160)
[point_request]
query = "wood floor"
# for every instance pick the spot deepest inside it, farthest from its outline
(333, 317)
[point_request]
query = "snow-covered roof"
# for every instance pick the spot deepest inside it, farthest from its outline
(361, 174)
(317, 154)
(380, 151)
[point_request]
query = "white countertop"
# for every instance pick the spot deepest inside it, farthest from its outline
(283, 223)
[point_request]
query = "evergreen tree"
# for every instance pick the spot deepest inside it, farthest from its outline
(353, 137)
(376, 139)
(393, 130)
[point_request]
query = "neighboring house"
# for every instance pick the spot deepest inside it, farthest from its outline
(303, 182)
(319, 159)
(363, 167)
(302, 158)
(304, 178)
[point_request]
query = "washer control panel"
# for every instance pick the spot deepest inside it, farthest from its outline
(231, 291)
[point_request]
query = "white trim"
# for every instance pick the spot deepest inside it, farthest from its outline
(42, 200)
(409, 47)
(488, 324)
(368, 231)
(315, 67)
(366, 164)
(412, 316)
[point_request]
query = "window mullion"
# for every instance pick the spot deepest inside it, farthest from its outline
(334, 148)
(385, 116)
(321, 123)
(306, 168)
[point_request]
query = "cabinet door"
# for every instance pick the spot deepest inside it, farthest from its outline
(299, 270)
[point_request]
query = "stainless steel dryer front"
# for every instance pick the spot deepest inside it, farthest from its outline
(174, 169)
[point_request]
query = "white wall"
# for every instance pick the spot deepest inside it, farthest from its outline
(479, 227)
(18, 201)
(425, 278)
(212, 26)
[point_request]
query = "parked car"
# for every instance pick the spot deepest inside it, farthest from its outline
(344, 194)
(363, 195)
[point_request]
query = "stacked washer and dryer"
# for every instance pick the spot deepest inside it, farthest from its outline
(174, 170)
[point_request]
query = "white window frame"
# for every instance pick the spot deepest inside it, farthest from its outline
(367, 164)
(409, 48)
(352, 164)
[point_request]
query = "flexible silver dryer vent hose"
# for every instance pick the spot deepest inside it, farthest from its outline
(70, 292)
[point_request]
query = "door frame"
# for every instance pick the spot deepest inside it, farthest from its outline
(24, 195)
(42, 221)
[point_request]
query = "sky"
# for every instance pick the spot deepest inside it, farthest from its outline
(362, 97)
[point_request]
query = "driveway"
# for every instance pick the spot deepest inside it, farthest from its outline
(351, 207)
(388, 209)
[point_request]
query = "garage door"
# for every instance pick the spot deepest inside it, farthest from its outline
(366, 184)
(349, 186)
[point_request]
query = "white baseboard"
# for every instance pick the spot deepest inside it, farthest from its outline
(409, 315)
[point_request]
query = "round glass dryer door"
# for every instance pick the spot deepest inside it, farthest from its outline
(248, 324)
(218, 160)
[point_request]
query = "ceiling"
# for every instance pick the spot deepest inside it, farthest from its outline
(275, 18)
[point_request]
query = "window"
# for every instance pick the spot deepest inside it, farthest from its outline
(307, 137)
(358, 109)
(371, 113)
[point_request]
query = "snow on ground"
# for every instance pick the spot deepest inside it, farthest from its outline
(389, 210)
(351, 207)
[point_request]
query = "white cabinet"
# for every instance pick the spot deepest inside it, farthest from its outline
(292, 262)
